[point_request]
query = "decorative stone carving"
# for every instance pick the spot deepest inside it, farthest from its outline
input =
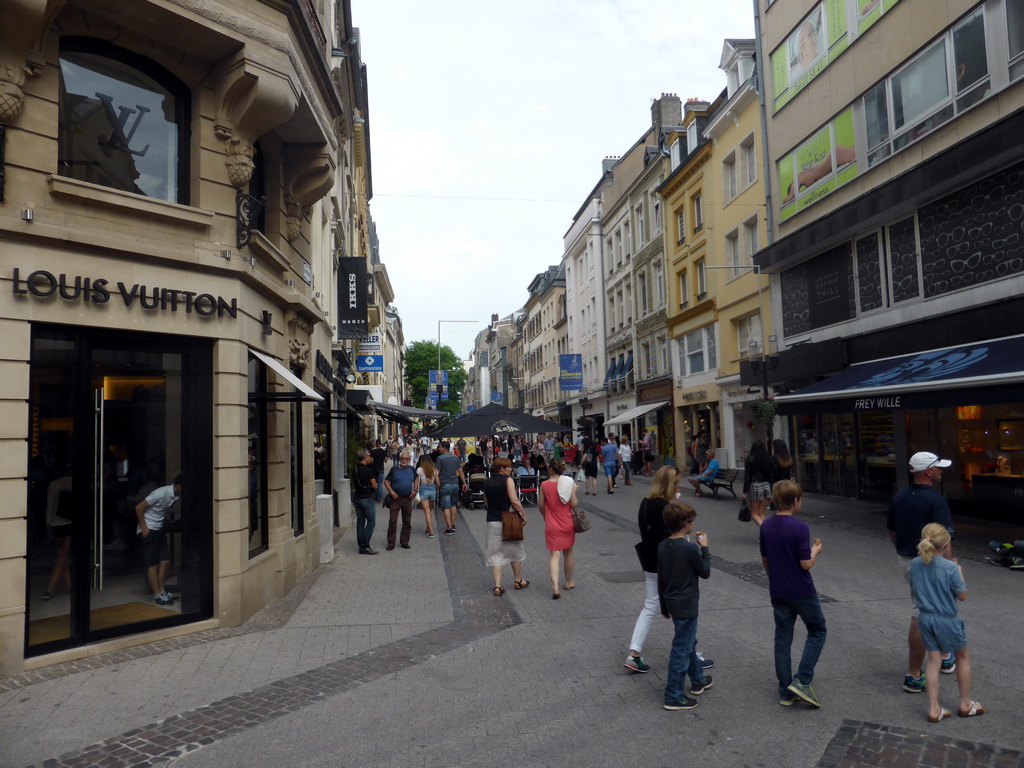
(294, 214)
(239, 162)
(255, 97)
(12, 98)
(309, 173)
(298, 353)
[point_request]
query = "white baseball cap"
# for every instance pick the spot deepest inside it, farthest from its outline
(923, 460)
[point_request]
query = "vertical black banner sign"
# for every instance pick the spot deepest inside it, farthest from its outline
(352, 297)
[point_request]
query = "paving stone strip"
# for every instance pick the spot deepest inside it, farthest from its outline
(869, 745)
(477, 615)
(273, 616)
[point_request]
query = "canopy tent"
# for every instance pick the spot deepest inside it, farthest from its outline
(492, 419)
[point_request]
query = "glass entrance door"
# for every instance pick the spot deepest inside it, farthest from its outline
(838, 460)
(115, 422)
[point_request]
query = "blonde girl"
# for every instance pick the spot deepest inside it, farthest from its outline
(937, 584)
(427, 484)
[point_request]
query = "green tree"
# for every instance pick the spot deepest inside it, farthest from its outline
(420, 359)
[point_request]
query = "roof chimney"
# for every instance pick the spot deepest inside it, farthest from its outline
(666, 111)
(608, 163)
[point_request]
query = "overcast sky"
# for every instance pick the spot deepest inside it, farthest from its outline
(489, 122)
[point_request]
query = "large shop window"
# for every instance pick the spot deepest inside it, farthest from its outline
(946, 79)
(122, 122)
(295, 457)
(257, 460)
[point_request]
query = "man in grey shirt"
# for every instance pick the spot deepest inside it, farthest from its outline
(451, 479)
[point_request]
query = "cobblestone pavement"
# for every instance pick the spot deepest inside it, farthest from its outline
(869, 745)
(405, 659)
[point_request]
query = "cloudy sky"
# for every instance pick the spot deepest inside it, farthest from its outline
(489, 122)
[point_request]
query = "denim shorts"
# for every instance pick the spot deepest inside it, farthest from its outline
(449, 495)
(428, 492)
(942, 633)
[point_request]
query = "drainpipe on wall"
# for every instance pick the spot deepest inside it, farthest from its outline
(759, 69)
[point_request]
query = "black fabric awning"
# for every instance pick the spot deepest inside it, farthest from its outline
(359, 399)
(921, 380)
(406, 411)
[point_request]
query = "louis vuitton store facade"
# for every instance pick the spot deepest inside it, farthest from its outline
(157, 319)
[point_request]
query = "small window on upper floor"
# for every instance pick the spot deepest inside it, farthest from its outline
(749, 159)
(729, 177)
(1015, 36)
(122, 121)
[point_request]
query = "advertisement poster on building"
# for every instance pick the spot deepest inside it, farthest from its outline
(870, 11)
(819, 166)
(815, 42)
(570, 372)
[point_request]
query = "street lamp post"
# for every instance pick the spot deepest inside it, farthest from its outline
(760, 317)
(439, 383)
(584, 404)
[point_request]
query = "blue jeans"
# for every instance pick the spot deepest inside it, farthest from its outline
(366, 521)
(786, 612)
(682, 660)
(380, 486)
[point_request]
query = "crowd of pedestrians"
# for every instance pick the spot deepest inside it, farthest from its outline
(919, 524)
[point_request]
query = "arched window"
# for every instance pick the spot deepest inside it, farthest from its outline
(123, 121)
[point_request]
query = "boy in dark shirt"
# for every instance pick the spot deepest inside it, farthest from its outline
(680, 563)
(787, 557)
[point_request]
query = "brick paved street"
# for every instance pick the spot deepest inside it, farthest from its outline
(405, 659)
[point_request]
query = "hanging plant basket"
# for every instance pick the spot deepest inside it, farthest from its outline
(765, 410)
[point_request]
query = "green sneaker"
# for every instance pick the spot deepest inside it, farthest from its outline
(805, 692)
(637, 663)
(913, 684)
(788, 701)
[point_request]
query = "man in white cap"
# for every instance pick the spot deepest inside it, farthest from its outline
(910, 510)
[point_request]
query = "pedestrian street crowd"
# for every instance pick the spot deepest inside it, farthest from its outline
(673, 554)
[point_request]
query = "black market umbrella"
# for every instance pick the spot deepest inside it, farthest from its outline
(492, 419)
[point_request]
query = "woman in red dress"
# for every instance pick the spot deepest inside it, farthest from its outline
(556, 501)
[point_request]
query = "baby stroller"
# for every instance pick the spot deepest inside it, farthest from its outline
(474, 494)
(636, 464)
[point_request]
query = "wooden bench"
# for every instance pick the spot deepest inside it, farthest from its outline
(724, 479)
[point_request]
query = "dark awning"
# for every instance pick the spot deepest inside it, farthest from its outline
(920, 380)
(406, 411)
(608, 376)
(359, 399)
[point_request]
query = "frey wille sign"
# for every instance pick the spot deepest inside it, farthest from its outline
(43, 284)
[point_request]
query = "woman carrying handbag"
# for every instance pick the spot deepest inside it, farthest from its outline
(501, 496)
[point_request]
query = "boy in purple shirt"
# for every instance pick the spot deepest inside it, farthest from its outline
(788, 556)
